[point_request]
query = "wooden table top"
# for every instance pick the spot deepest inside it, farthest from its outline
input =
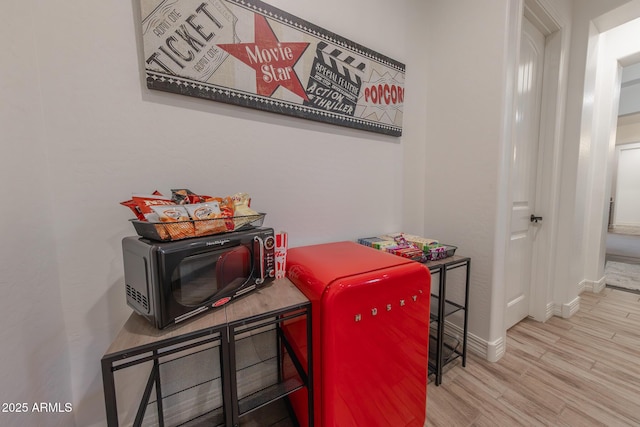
(138, 332)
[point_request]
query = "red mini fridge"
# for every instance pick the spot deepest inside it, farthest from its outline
(370, 335)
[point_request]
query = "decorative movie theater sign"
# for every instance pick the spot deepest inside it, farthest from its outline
(248, 53)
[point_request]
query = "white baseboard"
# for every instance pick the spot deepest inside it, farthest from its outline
(622, 258)
(549, 311)
(492, 351)
(592, 286)
(567, 310)
(582, 286)
(496, 349)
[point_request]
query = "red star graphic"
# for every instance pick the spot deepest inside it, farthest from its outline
(273, 60)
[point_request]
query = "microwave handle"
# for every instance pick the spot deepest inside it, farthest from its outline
(260, 280)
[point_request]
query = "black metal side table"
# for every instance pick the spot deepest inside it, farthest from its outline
(443, 307)
(215, 341)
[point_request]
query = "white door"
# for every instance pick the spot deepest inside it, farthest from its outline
(524, 166)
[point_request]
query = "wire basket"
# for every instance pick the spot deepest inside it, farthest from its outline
(440, 252)
(169, 231)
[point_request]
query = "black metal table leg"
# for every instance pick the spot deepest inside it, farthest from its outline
(109, 387)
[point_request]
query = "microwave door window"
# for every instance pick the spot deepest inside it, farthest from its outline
(194, 280)
(199, 278)
(233, 270)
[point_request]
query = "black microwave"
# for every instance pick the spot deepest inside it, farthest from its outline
(168, 282)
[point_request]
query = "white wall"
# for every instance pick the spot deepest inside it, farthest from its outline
(630, 91)
(89, 133)
(415, 134)
(630, 99)
(34, 358)
(467, 77)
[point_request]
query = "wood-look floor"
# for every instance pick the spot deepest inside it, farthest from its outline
(582, 371)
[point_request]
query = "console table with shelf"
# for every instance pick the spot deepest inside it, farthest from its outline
(447, 348)
(241, 366)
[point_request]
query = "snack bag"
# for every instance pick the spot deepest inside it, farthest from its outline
(207, 218)
(176, 221)
(227, 210)
(138, 203)
(185, 196)
(134, 208)
(171, 213)
(241, 204)
(180, 197)
(209, 210)
(145, 202)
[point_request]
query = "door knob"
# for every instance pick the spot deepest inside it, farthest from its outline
(534, 218)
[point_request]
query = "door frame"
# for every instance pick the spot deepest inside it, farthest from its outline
(555, 74)
(552, 120)
(524, 172)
